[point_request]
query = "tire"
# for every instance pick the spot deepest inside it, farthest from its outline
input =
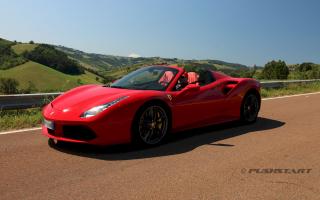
(250, 108)
(151, 125)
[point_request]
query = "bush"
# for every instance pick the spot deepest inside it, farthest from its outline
(305, 71)
(30, 89)
(305, 67)
(275, 70)
(8, 86)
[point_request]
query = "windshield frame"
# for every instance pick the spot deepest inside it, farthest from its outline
(176, 74)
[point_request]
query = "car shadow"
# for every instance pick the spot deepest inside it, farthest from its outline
(175, 144)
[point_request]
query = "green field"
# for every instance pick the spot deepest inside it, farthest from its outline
(46, 79)
(20, 48)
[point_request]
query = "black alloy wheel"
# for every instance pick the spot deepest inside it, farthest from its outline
(152, 125)
(250, 108)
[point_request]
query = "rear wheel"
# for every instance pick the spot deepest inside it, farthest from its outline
(151, 125)
(250, 108)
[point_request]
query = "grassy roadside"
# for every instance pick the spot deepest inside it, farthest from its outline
(294, 88)
(18, 119)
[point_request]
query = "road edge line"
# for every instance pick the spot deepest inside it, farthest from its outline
(20, 130)
(293, 95)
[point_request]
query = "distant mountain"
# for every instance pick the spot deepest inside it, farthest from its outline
(109, 62)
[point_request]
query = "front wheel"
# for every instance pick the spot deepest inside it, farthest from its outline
(250, 108)
(151, 125)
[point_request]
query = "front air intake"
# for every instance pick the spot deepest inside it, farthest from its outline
(78, 133)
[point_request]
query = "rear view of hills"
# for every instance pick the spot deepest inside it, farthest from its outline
(47, 68)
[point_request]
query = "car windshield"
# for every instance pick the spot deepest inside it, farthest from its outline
(147, 78)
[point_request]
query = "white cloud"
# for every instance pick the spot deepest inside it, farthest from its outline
(134, 55)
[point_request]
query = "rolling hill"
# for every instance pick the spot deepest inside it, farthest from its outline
(96, 68)
(46, 79)
(38, 76)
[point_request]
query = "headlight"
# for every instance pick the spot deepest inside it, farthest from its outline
(98, 109)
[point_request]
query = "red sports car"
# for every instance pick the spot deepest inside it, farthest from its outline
(148, 104)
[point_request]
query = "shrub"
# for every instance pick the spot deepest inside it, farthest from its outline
(275, 70)
(8, 86)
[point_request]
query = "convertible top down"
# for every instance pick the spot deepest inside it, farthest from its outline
(149, 103)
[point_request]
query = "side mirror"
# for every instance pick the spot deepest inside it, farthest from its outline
(191, 88)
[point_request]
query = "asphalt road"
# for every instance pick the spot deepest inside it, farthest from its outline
(260, 161)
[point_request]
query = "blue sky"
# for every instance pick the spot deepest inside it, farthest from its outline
(244, 31)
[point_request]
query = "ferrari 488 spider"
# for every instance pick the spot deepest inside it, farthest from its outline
(148, 104)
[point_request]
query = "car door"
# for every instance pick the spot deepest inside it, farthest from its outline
(197, 107)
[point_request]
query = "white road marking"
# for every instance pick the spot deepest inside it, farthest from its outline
(21, 130)
(264, 99)
(287, 96)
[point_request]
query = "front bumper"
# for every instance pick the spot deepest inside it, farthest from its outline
(61, 138)
(113, 128)
(67, 132)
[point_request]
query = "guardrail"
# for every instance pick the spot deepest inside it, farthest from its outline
(21, 101)
(280, 84)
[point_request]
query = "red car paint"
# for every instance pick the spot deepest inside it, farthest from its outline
(217, 102)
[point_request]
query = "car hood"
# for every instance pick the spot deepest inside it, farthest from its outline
(86, 97)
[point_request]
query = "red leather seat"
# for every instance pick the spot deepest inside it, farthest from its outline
(166, 77)
(192, 77)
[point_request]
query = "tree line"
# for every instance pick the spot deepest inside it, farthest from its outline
(47, 55)
(279, 70)
(8, 58)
